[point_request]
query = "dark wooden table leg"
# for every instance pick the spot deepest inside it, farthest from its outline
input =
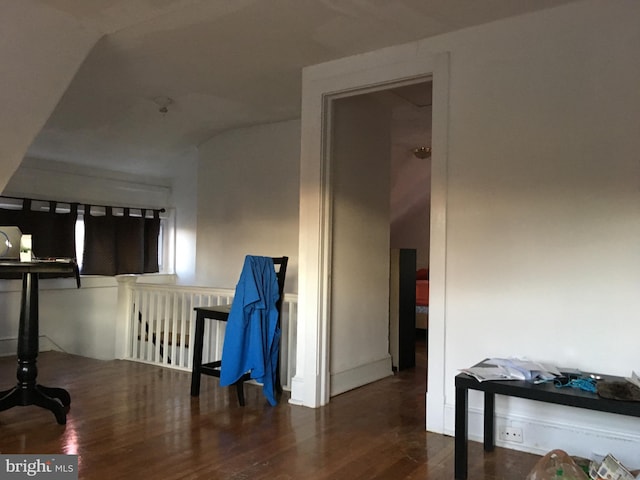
(461, 433)
(28, 341)
(40, 398)
(59, 394)
(197, 355)
(489, 427)
(27, 392)
(10, 398)
(55, 399)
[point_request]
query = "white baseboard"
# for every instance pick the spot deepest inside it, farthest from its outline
(9, 346)
(297, 387)
(356, 377)
(434, 413)
(541, 436)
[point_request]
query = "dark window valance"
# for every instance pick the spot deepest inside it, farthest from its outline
(116, 245)
(113, 244)
(151, 232)
(54, 233)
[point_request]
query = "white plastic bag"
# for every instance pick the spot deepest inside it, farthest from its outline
(557, 464)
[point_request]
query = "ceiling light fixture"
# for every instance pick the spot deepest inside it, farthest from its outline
(163, 103)
(422, 152)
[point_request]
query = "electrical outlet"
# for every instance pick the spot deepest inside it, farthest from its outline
(510, 434)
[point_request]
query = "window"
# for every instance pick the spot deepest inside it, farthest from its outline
(12, 209)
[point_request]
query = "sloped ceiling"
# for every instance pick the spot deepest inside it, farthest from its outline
(224, 64)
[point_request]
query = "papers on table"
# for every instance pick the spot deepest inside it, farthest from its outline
(634, 378)
(489, 373)
(513, 369)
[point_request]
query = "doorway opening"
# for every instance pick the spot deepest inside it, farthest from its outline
(380, 168)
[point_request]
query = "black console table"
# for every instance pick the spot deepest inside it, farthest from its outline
(27, 392)
(544, 392)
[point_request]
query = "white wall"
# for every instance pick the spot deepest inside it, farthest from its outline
(184, 198)
(360, 250)
(9, 316)
(248, 201)
(80, 321)
(53, 180)
(544, 201)
(541, 212)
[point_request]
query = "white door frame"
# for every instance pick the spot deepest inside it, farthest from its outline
(322, 84)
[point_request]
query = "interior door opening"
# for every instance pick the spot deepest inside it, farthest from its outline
(381, 166)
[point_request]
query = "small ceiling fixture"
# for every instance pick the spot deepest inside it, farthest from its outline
(163, 103)
(422, 152)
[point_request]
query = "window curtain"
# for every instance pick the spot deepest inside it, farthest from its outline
(115, 245)
(151, 236)
(54, 234)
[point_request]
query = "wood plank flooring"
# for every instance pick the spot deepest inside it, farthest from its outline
(134, 421)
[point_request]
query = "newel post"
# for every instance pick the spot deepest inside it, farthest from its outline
(123, 330)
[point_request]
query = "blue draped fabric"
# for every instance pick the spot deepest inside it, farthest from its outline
(252, 338)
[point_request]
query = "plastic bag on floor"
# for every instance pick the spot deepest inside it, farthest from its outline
(557, 464)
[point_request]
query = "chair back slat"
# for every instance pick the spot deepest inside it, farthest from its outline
(281, 273)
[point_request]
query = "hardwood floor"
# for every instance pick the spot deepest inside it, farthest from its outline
(134, 421)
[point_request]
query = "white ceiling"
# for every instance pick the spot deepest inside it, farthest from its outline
(225, 64)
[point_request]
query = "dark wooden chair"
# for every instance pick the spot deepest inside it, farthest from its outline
(221, 314)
